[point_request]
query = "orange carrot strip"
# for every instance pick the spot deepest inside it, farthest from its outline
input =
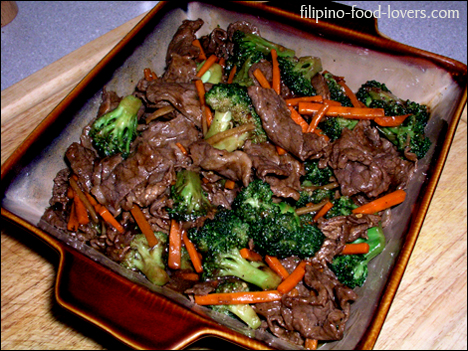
(293, 279)
(83, 198)
(295, 101)
(391, 121)
(349, 93)
(182, 148)
(275, 264)
(206, 66)
(317, 118)
(276, 80)
(70, 193)
(222, 62)
(332, 102)
(175, 244)
(73, 224)
(238, 297)
(342, 111)
(250, 255)
(261, 79)
(193, 253)
(320, 133)
(232, 74)
(280, 150)
(311, 344)
(149, 74)
(298, 119)
(202, 55)
(190, 276)
(355, 249)
(382, 203)
(144, 225)
(230, 184)
(201, 91)
(209, 115)
(81, 212)
(109, 218)
(323, 210)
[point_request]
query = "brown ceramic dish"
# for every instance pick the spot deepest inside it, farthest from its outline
(144, 316)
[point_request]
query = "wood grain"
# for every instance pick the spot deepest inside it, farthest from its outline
(429, 311)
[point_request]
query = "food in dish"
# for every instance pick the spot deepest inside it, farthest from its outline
(253, 181)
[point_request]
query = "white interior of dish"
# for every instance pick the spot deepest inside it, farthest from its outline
(29, 193)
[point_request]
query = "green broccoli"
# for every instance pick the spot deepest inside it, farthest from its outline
(114, 131)
(352, 270)
(333, 126)
(337, 92)
(314, 175)
(314, 196)
(249, 49)
(233, 108)
(220, 240)
(245, 312)
(189, 199)
(342, 206)
(148, 260)
(296, 73)
(410, 135)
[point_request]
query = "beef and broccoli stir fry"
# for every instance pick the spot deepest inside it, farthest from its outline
(249, 179)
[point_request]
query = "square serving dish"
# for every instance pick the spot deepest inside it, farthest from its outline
(145, 316)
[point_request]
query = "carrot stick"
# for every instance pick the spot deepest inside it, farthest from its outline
(144, 225)
(298, 119)
(232, 74)
(293, 279)
(349, 93)
(84, 199)
(193, 253)
(222, 62)
(182, 148)
(311, 344)
(280, 150)
(70, 193)
(149, 74)
(107, 216)
(323, 210)
(230, 184)
(238, 297)
(317, 118)
(206, 66)
(81, 212)
(202, 55)
(295, 101)
(391, 121)
(190, 276)
(332, 102)
(342, 111)
(261, 79)
(201, 91)
(382, 203)
(276, 80)
(276, 266)
(250, 255)
(73, 224)
(355, 249)
(175, 244)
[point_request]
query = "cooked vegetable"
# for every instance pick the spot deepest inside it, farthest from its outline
(337, 91)
(276, 79)
(293, 279)
(114, 131)
(276, 266)
(175, 245)
(297, 73)
(144, 226)
(382, 203)
(238, 297)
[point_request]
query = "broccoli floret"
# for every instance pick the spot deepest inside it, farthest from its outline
(333, 126)
(315, 175)
(249, 49)
(297, 73)
(337, 92)
(189, 199)
(342, 206)
(314, 196)
(351, 270)
(220, 240)
(410, 135)
(148, 260)
(233, 108)
(114, 131)
(245, 312)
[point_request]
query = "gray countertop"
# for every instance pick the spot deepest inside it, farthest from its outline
(44, 31)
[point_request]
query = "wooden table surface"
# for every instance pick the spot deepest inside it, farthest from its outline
(429, 310)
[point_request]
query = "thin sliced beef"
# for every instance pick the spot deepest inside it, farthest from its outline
(363, 162)
(320, 85)
(236, 165)
(281, 129)
(267, 69)
(183, 97)
(180, 70)
(216, 43)
(243, 26)
(283, 173)
(81, 161)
